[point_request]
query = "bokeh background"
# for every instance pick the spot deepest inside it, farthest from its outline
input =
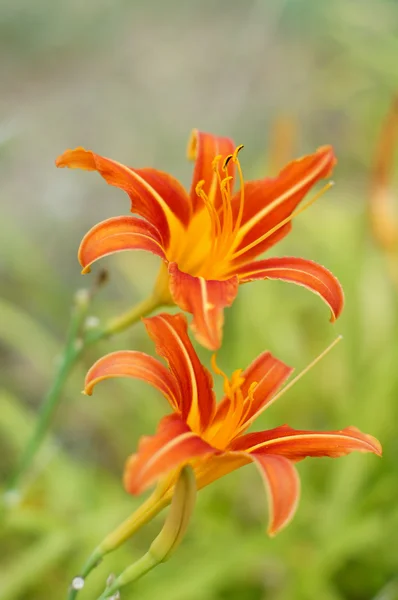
(129, 80)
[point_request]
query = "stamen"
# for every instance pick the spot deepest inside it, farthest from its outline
(292, 382)
(249, 401)
(199, 186)
(251, 389)
(214, 218)
(215, 179)
(218, 371)
(230, 385)
(224, 189)
(232, 390)
(226, 161)
(283, 222)
(236, 152)
(242, 188)
(227, 209)
(236, 380)
(215, 162)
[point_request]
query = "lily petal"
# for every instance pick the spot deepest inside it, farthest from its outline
(203, 148)
(206, 300)
(154, 195)
(303, 272)
(283, 489)
(174, 445)
(269, 373)
(268, 201)
(297, 444)
(116, 235)
(170, 334)
(138, 365)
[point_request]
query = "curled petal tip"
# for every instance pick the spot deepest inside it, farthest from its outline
(86, 392)
(376, 446)
(85, 270)
(65, 159)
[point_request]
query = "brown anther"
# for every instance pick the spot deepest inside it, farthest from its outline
(235, 154)
(226, 161)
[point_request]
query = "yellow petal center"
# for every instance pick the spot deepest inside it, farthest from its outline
(204, 248)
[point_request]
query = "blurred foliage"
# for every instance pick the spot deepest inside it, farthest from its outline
(130, 79)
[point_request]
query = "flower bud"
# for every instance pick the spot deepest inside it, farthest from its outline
(177, 521)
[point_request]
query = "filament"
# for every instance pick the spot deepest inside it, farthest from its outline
(273, 230)
(292, 382)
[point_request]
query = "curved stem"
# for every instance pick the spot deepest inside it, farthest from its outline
(145, 513)
(73, 350)
(140, 310)
(75, 346)
(169, 538)
(137, 570)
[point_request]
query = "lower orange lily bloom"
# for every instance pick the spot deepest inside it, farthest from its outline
(209, 238)
(212, 437)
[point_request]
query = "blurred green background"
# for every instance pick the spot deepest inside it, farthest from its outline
(129, 80)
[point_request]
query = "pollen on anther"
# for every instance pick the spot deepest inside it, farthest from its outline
(199, 187)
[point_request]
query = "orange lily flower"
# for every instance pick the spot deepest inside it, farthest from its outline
(209, 238)
(212, 437)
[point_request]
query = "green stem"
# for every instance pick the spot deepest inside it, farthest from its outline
(137, 570)
(72, 352)
(74, 349)
(169, 538)
(130, 317)
(145, 513)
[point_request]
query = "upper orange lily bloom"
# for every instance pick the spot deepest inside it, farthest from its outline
(209, 238)
(212, 437)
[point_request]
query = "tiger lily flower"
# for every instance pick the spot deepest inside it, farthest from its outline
(212, 437)
(208, 238)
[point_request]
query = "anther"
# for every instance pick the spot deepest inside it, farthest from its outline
(251, 389)
(215, 162)
(199, 187)
(236, 152)
(226, 161)
(224, 182)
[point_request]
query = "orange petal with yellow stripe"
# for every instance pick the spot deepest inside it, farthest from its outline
(170, 334)
(297, 444)
(154, 195)
(138, 365)
(203, 148)
(173, 446)
(205, 300)
(282, 484)
(267, 373)
(303, 272)
(117, 235)
(267, 202)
